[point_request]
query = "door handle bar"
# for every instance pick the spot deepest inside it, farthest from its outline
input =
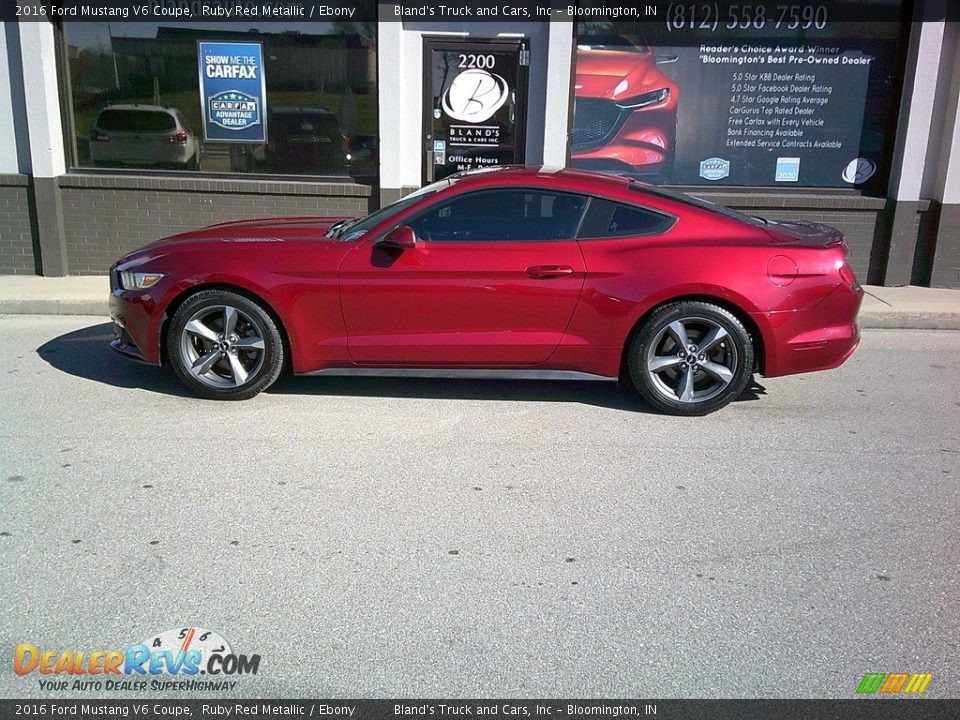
(545, 272)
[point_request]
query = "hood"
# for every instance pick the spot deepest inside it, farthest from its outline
(275, 229)
(599, 72)
(281, 225)
(246, 232)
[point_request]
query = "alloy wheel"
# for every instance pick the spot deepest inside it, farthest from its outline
(692, 360)
(222, 346)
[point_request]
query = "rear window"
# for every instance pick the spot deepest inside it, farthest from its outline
(607, 219)
(700, 203)
(144, 121)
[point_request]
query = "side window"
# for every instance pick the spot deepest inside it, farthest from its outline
(606, 219)
(514, 215)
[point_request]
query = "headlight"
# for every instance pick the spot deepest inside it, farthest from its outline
(139, 280)
(639, 101)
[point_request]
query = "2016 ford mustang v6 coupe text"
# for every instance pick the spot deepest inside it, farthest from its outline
(510, 271)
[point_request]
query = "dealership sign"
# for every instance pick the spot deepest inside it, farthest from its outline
(233, 92)
(475, 105)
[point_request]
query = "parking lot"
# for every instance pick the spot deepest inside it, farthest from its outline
(442, 538)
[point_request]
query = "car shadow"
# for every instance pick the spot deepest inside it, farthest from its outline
(86, 353)
(607, 394)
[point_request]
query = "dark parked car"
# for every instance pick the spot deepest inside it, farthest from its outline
(510, 271)
(305, 140)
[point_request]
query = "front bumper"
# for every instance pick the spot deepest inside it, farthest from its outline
(123, 343)
(137, 322)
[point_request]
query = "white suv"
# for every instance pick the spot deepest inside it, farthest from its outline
(140, 135)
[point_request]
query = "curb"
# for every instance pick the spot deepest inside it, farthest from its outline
(909, 321)
(54, 307)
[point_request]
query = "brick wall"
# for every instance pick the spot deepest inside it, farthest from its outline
(16, 235)
(107, 216)
(946, 263)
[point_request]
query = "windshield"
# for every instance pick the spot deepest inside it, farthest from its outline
(354, 230)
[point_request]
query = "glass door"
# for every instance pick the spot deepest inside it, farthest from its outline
(475, 102)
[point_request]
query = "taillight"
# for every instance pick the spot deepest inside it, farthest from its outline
(97, 136)
(180, 138)
(346, 146)
(846, 274)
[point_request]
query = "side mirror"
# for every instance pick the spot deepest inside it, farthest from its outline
(401, 237)
(666, 59)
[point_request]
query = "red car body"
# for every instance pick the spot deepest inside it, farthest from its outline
(545, 305)
(625, 111)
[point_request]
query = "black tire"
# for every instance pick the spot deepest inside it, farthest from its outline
(242, 370)
(700, 382)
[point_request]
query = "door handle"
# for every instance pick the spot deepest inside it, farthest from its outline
(544, 272)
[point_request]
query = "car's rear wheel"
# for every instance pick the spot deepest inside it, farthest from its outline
(690, 358)
(224, 346)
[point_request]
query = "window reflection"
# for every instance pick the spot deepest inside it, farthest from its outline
(136, 98)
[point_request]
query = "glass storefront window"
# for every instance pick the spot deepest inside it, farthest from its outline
(137, 101)
(752, 97)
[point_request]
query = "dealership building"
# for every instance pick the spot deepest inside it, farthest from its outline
(844, 112)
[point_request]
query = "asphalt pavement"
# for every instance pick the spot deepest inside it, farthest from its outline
(427, 538)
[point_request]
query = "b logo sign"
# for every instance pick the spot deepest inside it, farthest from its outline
(474, 96)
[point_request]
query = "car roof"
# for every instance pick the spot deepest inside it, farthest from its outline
(134, 106)
(298, 110)
(620, 188)
(543, 174)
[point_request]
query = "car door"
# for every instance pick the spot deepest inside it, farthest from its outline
(493, 280)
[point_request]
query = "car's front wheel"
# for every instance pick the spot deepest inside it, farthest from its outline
(690, 358)
(224, 346)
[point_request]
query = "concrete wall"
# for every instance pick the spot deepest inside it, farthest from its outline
(105, 217)
(9, 160)
(945, 265)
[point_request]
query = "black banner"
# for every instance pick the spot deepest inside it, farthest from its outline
(857, 709)
(447, 11)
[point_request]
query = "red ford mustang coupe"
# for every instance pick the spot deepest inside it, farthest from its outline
(537, 272)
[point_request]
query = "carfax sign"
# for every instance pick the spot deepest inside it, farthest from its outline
(233, 92)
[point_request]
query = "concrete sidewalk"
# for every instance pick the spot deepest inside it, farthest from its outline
(883, 307)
